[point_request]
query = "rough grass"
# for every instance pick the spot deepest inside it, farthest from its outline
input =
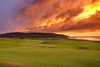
(49, 53)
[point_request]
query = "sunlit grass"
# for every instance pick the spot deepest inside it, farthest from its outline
(49, 53)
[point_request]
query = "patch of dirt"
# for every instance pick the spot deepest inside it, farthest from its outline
(3, 64)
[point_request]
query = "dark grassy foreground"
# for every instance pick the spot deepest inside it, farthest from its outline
(49, 53)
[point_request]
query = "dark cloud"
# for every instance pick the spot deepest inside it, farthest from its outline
(70, 13)
(91, 24)
(94, 1)
(52, 11)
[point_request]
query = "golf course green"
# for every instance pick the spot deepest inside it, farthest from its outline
(49, 53)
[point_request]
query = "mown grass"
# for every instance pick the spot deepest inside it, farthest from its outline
(49, 53)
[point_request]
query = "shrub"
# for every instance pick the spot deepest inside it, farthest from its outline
(48, 42)
(82, 47)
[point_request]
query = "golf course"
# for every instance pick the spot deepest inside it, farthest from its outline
(49, 33)
(49, 53)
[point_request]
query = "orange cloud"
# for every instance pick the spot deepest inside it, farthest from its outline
(60, 16)
(89, 10)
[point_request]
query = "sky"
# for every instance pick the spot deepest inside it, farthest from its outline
(69, 17)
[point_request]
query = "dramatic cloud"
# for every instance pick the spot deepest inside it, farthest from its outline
(50, 16)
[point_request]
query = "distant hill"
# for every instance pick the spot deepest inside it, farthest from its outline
(32, 35)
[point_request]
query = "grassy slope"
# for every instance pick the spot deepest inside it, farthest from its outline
(51, 53)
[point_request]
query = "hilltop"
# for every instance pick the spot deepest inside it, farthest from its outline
(32, 35)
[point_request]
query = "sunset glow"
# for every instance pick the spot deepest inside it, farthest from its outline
(54, 21)
(69, 17)
(89, 10)
(86, 38)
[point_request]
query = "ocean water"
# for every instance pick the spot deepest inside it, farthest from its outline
(91, 38)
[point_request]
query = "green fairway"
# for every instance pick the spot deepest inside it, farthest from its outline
(49, 53)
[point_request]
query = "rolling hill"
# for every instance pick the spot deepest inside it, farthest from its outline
(32, 35)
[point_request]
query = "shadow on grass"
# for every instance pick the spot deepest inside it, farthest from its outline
(49, 42)
(44, 47)
(83, 47)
